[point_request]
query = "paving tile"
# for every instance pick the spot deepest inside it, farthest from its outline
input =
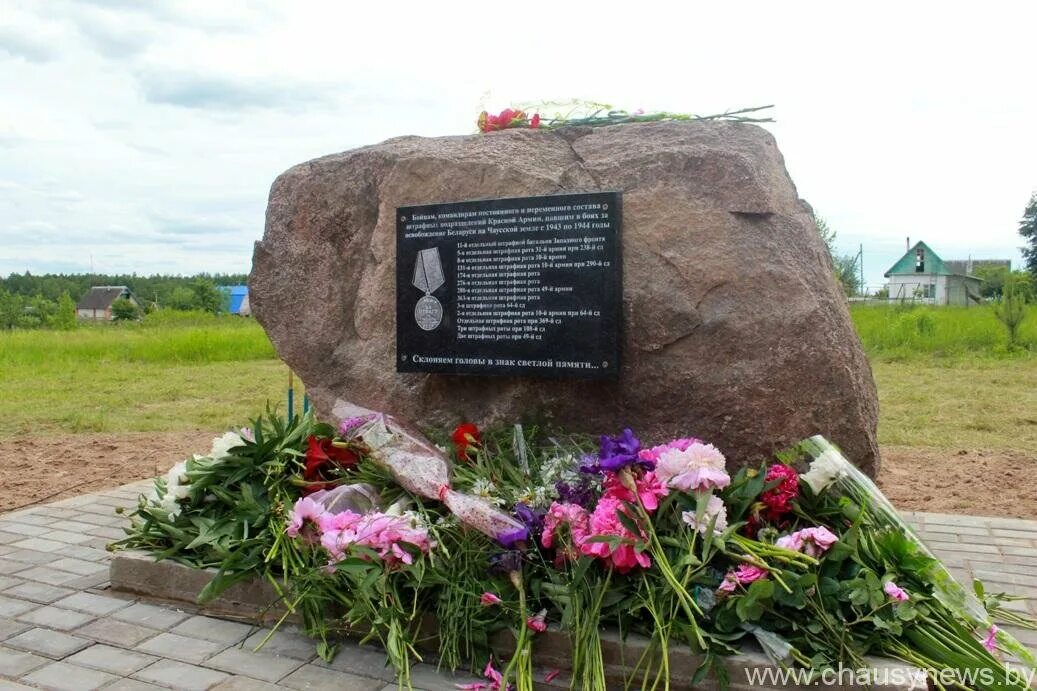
(13, 686)
(210, 629)
(9, 582)
(956, 547)
(19, 528)
(132, 685)
(1028, 581)
(245, 684)
(45, 574)
(62, 676)
(93, 603)
(38, 592)
(152, 616)
(363, 660)
(9, 627)
(80, 567)
(53, 644)
(429, 678)
(181, 676)
(182, 648)
(100, 519)
(85, 553)
(15, 663)
(110, 532)
(12, 607)
(13, 566)
(97, 581)
(116, 632)
(39, 544)
(109, 659)
(56, 618)
(7, 538)
(29, 556)
(313, 677)
(256, 665)
(285, 643)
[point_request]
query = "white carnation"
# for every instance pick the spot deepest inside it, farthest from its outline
(222, 445)
(828, 467)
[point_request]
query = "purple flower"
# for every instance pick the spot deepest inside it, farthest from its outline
(508, 538)
(351, 423)
(532, 518)
(580, 494)
(619, 451)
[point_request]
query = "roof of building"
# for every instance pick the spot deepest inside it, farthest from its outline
(906, 264)
(102, 297)
(237, 295)
(968, 266)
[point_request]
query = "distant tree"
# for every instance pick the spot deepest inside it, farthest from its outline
(1028, 229)
(12, 307)
(994, 278)
(181, 298)
(207, 296)
(64, 317)
(124, 309)
(845, 266)
(1010, 309)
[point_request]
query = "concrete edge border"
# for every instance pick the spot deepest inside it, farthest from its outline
(251, 601)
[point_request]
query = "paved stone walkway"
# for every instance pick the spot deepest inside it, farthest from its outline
(60, 628)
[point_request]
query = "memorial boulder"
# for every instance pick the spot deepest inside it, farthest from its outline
(729, 323)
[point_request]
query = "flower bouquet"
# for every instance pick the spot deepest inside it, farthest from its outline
(370, 527)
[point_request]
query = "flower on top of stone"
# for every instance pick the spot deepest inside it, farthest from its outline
(508, 118)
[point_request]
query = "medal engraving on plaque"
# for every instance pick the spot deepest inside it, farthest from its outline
(428, 277)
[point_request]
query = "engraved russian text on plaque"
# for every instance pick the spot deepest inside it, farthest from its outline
(525, 287)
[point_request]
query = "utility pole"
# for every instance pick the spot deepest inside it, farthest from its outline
(860, 255)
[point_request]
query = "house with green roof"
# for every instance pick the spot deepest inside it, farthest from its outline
(921, 276)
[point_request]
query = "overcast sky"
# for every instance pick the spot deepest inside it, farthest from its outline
(143, 136)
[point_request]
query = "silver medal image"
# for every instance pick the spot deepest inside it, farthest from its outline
(428, 277)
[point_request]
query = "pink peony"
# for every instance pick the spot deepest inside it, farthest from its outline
(896, 592)
(714, 507)
(649, 489)
(305, 520)
(652, 455)
(990, 642)
(489, 599)
(381, 532)
(573, 516)
(811, 541)
(697, 468)
(604, 521)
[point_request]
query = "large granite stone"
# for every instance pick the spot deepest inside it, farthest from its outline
(735, 330)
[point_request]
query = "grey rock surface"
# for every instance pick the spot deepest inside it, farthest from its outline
(734, 328)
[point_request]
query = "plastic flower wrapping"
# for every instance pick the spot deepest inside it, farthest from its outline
(369, 528)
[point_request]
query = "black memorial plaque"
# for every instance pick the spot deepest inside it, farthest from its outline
(524, 287)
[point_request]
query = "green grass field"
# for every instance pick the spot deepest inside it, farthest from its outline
(946, 377)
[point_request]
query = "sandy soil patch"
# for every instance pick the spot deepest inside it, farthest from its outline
(35, 469)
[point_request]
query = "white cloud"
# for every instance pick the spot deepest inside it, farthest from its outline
(148, 134)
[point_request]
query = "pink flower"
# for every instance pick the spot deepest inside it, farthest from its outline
(714, 507)
(895, 592)
(990, 642)
(743, 575)
(381, 532)
(649, 489)
(811, 541)
(652, 455)
(604, 521)
(489, 599)
(538, 622)
(697, 468)
(573, 516)
(305, 520)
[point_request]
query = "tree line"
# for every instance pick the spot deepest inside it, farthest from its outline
(29, 301)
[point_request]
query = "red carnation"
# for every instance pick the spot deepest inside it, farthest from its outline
(778, 499)
(321, 455)
(465, 435)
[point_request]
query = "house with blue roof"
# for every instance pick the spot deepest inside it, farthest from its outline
(236, 300)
